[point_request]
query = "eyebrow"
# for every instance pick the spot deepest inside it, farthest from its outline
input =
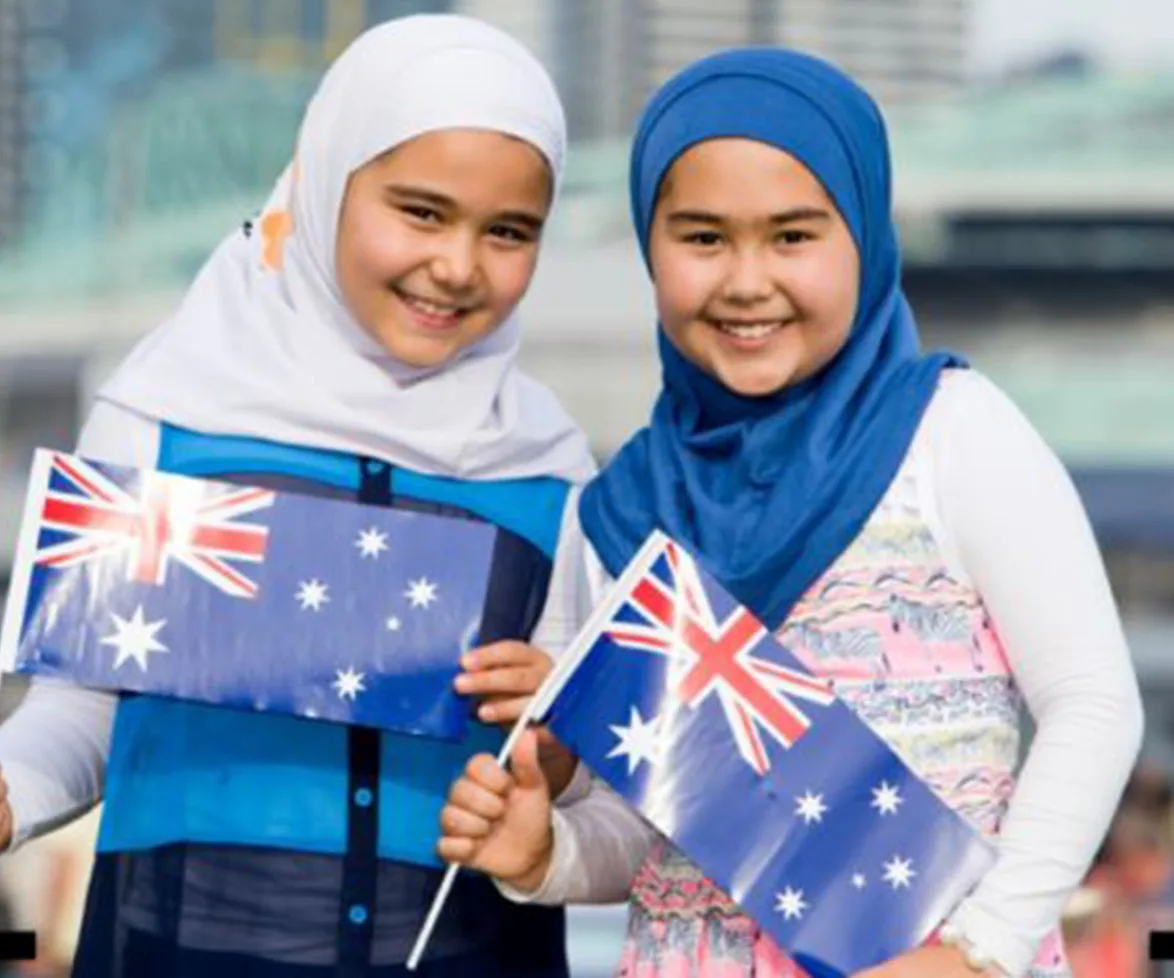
(532, 221)
(783, 217)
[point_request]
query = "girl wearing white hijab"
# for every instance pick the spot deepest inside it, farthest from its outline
(358, 339)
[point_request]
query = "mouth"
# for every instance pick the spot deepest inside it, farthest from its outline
(751, 331)
(433, 314)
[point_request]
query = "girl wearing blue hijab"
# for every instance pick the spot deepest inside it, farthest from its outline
(890, 515)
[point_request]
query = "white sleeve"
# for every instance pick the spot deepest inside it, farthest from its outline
(53, 748)
(1013, 524)
(599, 841)
(563, 613)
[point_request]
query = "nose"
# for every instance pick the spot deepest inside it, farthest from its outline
(748, 279)
(455, 264)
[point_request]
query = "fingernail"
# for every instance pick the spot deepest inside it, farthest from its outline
(461, 683)
(469, 661)
(487, 713)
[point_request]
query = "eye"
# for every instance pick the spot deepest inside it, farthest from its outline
(794, 236)
(420, 212)
(703, 239)
(511, 233)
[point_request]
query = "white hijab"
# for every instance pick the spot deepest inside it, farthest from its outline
(274, 353)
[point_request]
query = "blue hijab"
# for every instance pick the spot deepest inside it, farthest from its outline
(768, 492)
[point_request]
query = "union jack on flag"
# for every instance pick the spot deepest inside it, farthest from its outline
(689, 708)
(195, 523)
(674, 617)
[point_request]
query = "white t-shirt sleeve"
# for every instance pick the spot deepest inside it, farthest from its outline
(600, 843)
(1012, 523)
(53, 749)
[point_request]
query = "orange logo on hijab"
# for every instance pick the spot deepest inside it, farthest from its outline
(275, 227)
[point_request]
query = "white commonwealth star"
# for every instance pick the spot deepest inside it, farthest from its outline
(393, 624)
(421, 593)
(638, 740)
(898, 872)
(372, 542)
(312, 594)
(135, 639)
(349, 684)
(810, 808)
(790, 904)
(859, 881)
(886, 799)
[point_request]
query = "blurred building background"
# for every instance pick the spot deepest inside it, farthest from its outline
(1034, 154)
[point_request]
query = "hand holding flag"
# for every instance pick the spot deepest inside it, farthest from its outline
(937, 961)
(505, 676)
(498, 822)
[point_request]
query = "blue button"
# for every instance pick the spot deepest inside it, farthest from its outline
(358, 914)
(376, 467)
(363, 797)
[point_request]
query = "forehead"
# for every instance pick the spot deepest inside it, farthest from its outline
(466, 162)
(746, 170)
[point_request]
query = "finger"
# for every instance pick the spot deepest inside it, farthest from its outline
(552, 752)
(503, 654)
(476, 800)
(503, 710)
(459, 823)
(547, 740)
(458, 850)
(484, 771)
(524, 762)
(507, 681)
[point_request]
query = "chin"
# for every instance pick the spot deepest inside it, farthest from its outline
(421, 356)
(416, 351)
(754, 386)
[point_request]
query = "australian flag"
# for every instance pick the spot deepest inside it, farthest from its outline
(685, 703)
(147, 582)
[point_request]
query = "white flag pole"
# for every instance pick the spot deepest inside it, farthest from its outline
(450, 874)
(22, 560)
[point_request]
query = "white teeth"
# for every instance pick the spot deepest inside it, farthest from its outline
(754, 331)
(431, 308)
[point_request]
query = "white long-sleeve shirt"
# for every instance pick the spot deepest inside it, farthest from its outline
(1008, 519)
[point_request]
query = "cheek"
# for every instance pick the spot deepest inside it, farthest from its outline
(374, 247)
(682, 289)
(829, 290)
(509, 274)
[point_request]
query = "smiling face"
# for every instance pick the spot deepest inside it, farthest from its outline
(438, 240)
(756, 273)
